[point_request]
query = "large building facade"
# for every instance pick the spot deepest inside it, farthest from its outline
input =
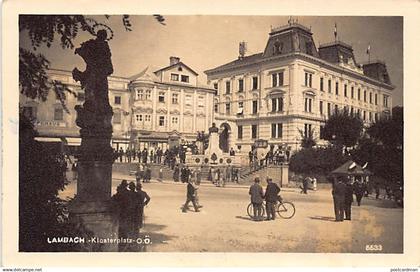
(292, 87)
(151, 109)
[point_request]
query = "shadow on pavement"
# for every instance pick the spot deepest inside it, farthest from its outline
(323, 218)
(244, 218)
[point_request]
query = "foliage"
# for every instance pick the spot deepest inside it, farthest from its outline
(383, 149)
(320, 161)
(342, 129)
(308, 141)
(41, 176)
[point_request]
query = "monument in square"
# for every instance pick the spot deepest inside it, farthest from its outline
(92, 205)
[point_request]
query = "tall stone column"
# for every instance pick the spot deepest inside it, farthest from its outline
(92, 206)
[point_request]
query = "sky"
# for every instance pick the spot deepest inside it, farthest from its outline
(207, 41)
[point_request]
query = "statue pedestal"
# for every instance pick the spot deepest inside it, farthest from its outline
(98, 218)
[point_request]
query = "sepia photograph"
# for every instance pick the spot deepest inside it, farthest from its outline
(195, 134)
(162, 133)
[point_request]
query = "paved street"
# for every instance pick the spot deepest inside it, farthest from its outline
(223, 224)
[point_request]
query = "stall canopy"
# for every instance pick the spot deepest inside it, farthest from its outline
(350, 168)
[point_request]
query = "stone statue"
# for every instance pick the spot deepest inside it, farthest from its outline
(296, 42)
(95, 116)
(96, 111)
(213, 129)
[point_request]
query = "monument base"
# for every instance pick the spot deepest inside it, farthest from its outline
(100, 222)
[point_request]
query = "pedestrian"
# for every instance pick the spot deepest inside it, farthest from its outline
(143, 199)
(314, 183)
(199, 173)
(339, 192)
(348, 200)
(271, 198)
(191, 197)
(134, 215)
(257, 198)
(74, 170)
(160, 173)
(148, 174)
(121, 200)
(305, 183)
(359, 191)
(176, 173)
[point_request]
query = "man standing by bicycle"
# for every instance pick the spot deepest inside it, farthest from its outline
(271, 197)
(257, 198)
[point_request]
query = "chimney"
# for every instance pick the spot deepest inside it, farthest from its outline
(173, 60)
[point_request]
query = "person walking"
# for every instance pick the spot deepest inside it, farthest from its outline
(176, 173)
(359, 190)
(339, 192)
(191, 197)
(305, 183)
(257, 198)
(314, 183)
(271, 198)
(348, 200)
(143, 199)
(121, 200)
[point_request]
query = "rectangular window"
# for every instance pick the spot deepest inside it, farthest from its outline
(358, 113)
(277, 130)
(255, 83)
(227, 108)
(174, 120)
(161, 97)
(385, 101)
(281, 79)
(329, 85)
(240, 132)
(174, 77)
(370, 98)
(185, 79)
(277, 104)
(308, 104)
(241, 85)
(274, 104)
(161, 121)
(345, 90)
(328, 109)
(364, 96)
(148, 95)
(216, 108)
(58, 114)
(321, 84)
(139, 117)
(139, 94)
(215, 86)
(336, 88)
(227, 87)
(308, 129)
(117, 118)
(335, 108)
(352, 92)
(147, 118)
(321, 107)
(80, 96)
(30, 112)
(174, 98)
(364, 115)
(117, 100)
(255, 107)
(322, 132)
(254, 131)
(358, 94)
(308, 79)
(370, 116)
(274, 80)
(376, 117)
(376, 99)
(351, 111)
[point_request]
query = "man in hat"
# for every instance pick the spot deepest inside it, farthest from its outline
(257, 198)
(339, 192)
(143, 199)
(271, 197)
(348, 200)
(191, 197)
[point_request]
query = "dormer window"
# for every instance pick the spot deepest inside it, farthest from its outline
(180, 68)
(278, 47)
(309, 48)
(185, 79)
(174, 77)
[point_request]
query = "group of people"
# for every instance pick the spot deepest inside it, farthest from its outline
(143, 173)
(271, 197)
(273, 156)
(130, 201)
(220, 176)
(143, 156)
(187, 174)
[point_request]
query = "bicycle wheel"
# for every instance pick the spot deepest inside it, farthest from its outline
(286, 210)
(250, 210)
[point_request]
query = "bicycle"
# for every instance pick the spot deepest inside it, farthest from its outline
(285, 209)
